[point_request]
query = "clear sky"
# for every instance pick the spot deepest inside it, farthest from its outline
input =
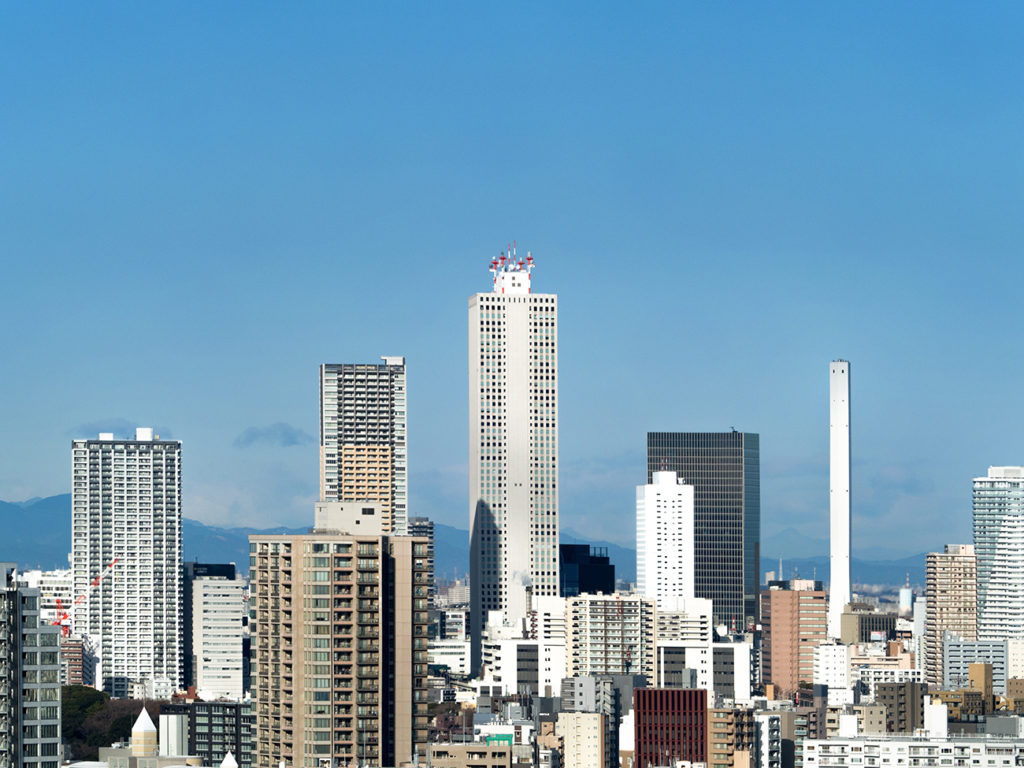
(201, 202)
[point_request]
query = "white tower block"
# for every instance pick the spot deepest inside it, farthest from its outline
(839, 493)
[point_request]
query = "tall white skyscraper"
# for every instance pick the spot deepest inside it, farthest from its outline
(513, 445)
(126, 506)
(839, 592)
(363, 437)
(665, 539)
(999, 549)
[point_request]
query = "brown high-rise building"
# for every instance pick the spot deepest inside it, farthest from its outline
(670, 724)
(904, 705)
(794, 617)
(339, 644)
(951, 603)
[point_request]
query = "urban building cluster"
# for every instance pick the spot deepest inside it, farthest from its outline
(341, 646)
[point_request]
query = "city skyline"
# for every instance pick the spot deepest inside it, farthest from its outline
(688, 237)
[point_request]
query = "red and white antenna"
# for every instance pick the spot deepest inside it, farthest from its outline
(64, 614)
(511, 273)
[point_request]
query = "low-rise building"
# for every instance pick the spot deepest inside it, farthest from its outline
(474, 754)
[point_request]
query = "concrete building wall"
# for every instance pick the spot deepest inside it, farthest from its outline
(839, 495)
(583, 740)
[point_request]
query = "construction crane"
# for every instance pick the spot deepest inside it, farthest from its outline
(64, 614)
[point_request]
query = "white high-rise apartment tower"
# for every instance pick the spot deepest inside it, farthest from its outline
(363, 437)
(665, 539)
(839, 592)
(126, 506)
(513, 445)
(999, 549)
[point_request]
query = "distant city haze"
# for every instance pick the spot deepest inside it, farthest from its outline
(197, 214)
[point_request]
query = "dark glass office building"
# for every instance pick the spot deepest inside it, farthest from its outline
(725, 470)
(584, 570)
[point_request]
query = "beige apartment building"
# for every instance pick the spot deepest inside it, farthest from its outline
(732, 736)
(794, 616)
(951, 603)
(339, 644)
(583, 739)
(363, 437)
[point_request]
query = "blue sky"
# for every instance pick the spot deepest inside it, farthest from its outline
(200, 203)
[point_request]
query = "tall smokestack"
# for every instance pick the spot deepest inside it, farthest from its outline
(839, 494)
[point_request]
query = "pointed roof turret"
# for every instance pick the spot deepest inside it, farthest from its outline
(144, 723)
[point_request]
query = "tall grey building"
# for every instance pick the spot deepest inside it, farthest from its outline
(29, 678)
(363, 437)
(513, 445)
(126, 513)
(999, 550)
(725, 470)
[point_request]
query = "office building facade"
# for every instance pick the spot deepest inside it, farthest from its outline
(126, 527)
(724, 469)
(30, 735)
(999, 549)
(583, 569)
(339, 648)
(951, 603)
(513, 445)
(189, 573)
(363, 433)
(794, 616)
(657, 743)
(218, 611)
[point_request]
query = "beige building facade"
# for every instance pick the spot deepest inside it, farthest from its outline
(794, 616)
(582, 735)
(363, 424)
(951, 603)
(339, 648)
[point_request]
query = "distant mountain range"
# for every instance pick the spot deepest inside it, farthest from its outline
(37, 534)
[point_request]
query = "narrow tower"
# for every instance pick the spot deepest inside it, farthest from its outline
(839, 493)
(513, 446)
